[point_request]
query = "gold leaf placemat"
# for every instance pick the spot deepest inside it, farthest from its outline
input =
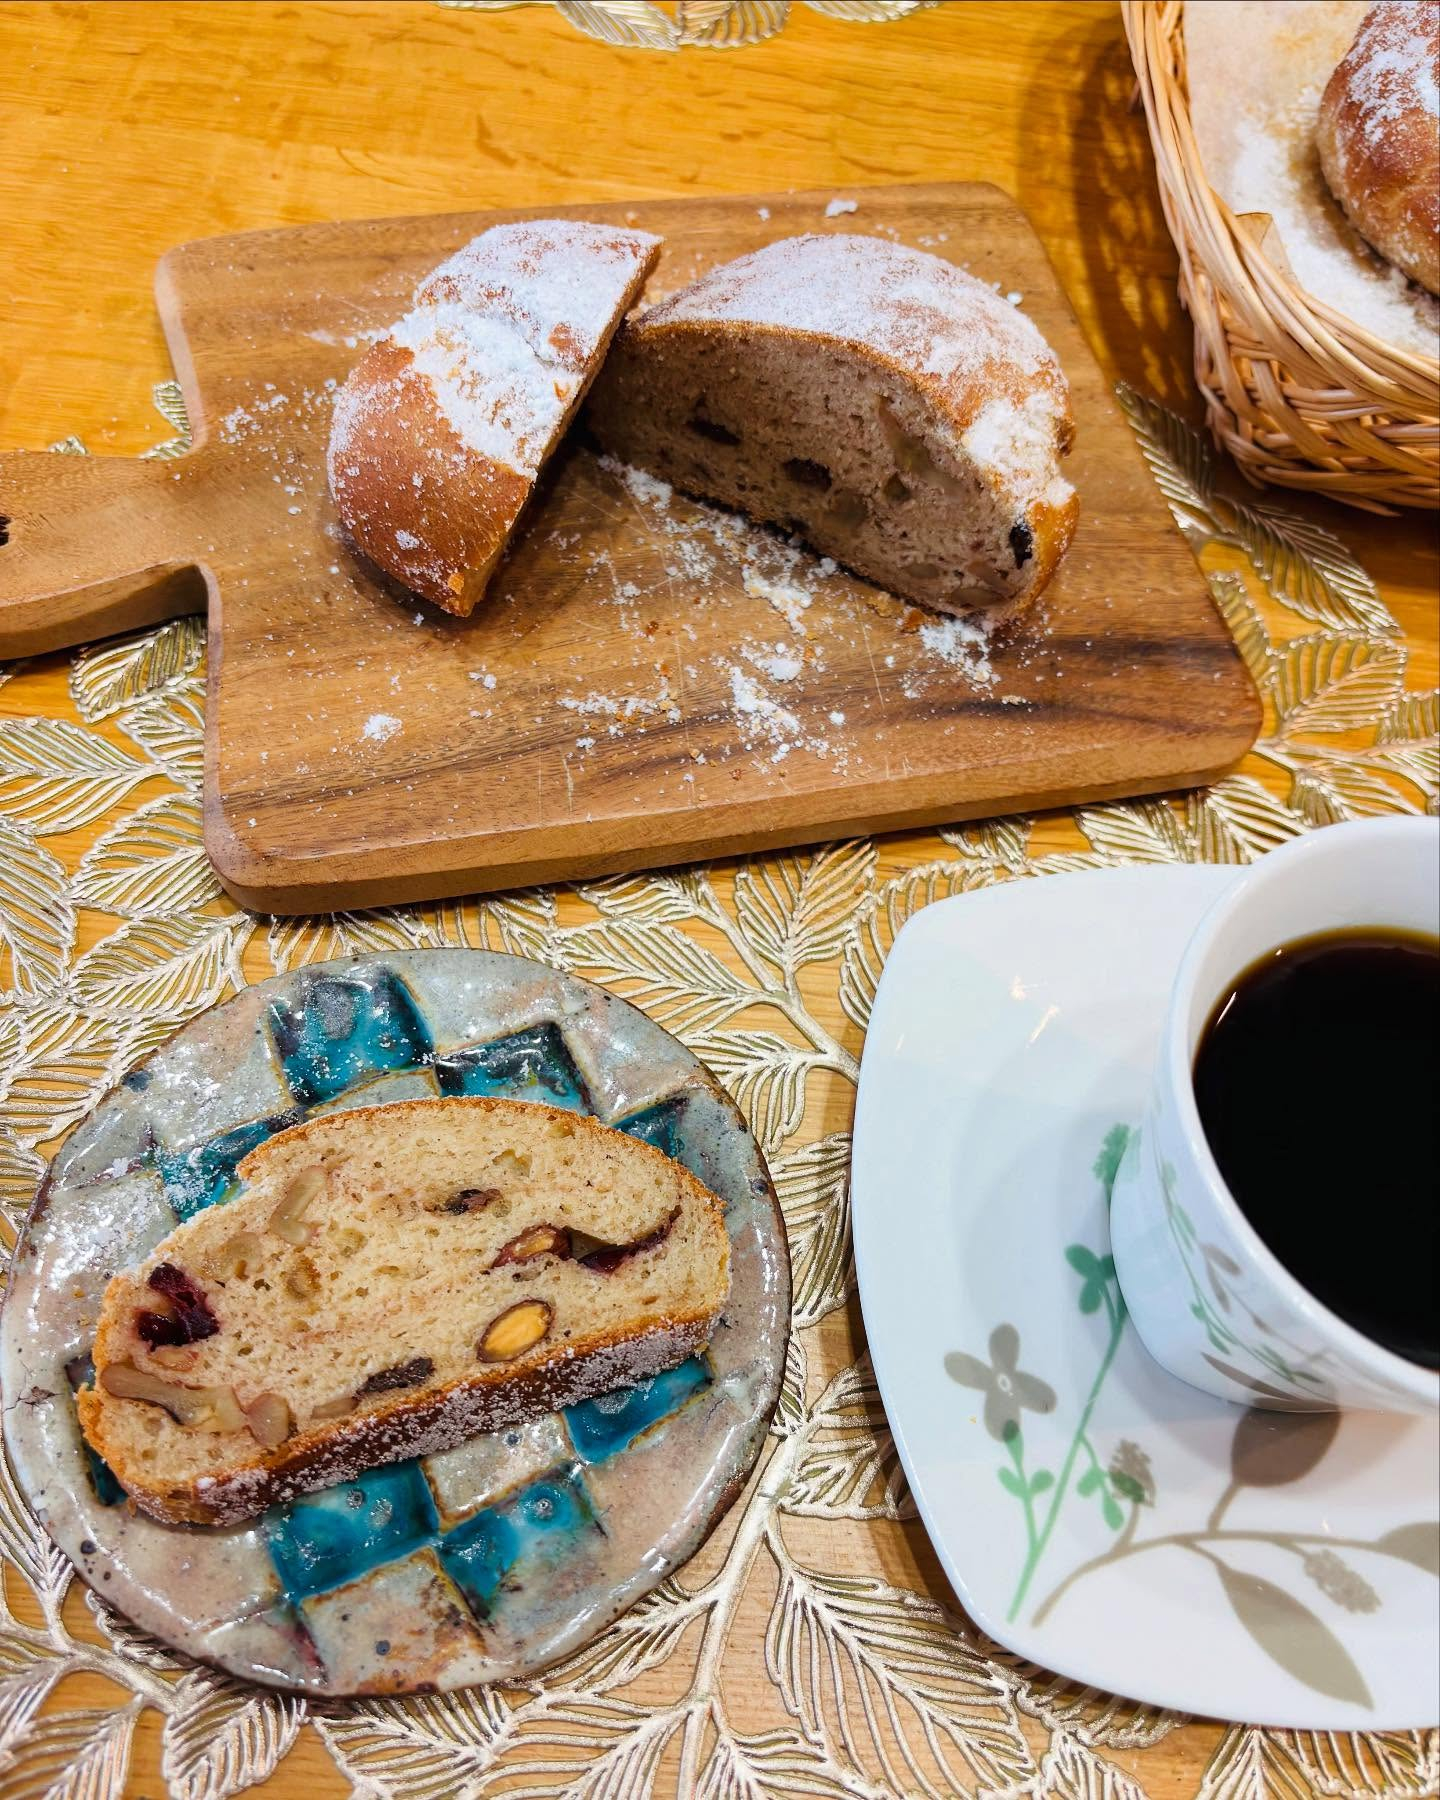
(696, 24)
(812, 1648)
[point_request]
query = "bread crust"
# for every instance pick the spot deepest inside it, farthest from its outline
(420, 494)
(1379, 138)
(406, 1424)
(462, 510)
(423, 1426)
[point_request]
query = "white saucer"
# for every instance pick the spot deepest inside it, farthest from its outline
(1012, 1034)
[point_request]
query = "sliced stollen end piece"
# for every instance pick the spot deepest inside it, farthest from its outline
(898, 414)
(442, 427)
(389, 1282)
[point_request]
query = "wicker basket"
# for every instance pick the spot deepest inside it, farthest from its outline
(1299, 395)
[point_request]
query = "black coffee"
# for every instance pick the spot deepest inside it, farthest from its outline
(1316, 1082)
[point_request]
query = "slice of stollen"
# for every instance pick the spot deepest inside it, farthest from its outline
(440, 431)
(899, 415)
(389, 1282)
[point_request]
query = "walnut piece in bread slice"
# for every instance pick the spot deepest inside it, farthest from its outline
(441, 429)
(899, 415)
(391, 1281)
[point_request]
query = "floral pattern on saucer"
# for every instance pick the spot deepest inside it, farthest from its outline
(1097, 1516)
(1269, 1449)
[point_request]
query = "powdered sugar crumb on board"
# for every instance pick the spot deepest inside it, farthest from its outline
(772, 693)
(381, 727)
(641, 486)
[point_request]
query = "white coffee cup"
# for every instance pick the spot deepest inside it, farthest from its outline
(1211, 1302)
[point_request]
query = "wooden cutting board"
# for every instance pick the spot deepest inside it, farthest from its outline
(649, 681)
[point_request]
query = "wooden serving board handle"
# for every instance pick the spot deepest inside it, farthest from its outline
(92, 545)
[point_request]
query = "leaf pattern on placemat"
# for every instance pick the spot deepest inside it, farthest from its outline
(79, 1755)
(628, 24)
(1367, 1765)
(729, 24)
(849, 1468)
(37, 917)
(164, 968)
(224, 1735)
(813, 1184)
(873, 1672)
(416, 1749)
(20, 1172)
(151, 864)
(170, 727)
(769, 967)
(56, 777)
(112, 675)
(695, 25)
(61, 1059)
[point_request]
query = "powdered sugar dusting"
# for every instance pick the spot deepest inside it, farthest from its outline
(1380, 132)
(962, 644)
(765, 699)
(643, 486)
(752, 702)
(503, 331)
(780, 663)
(906, 304)
(499, 396)
(1391, 66)
(1017, 444)
(787, 599)
(380, 727)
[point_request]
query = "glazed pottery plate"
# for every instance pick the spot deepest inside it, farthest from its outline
(1094, 1514)
(488, 1561)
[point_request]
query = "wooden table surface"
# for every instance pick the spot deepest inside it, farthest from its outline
(126, 128)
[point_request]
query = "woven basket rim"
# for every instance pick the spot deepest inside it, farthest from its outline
(1300, 393)
(1360, 341)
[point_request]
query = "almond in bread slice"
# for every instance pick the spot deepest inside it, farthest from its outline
(389, 1282)
(441, 429)
(899, 415)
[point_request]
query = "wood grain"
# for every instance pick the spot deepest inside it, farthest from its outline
(362, 748)
(91, 546)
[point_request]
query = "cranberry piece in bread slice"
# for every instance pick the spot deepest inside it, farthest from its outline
(442, 427)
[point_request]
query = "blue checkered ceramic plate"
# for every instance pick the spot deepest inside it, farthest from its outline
(493, 1559)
